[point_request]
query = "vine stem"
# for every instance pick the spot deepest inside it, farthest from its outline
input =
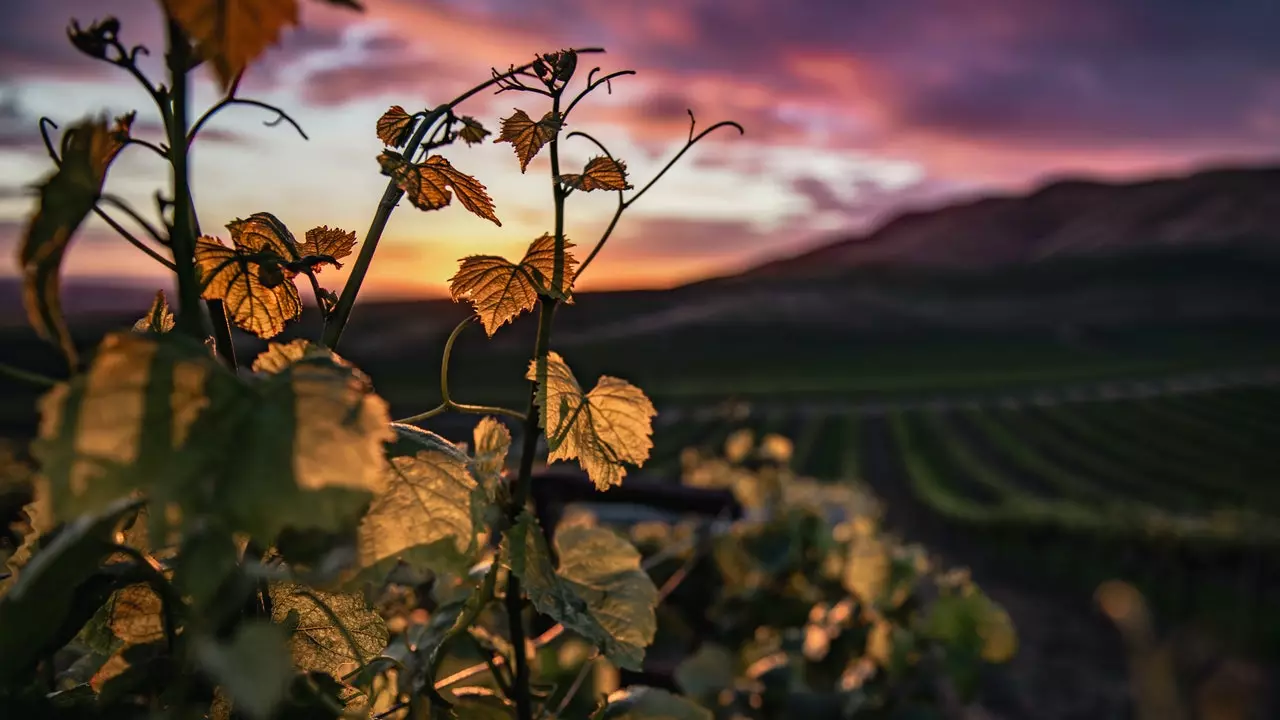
(336, 322)
(519, 500)
(447, 402)
(183, 237)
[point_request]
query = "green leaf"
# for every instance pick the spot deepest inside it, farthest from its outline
(37, 607)
(639, 702)
(599, 591)
(254, 669)
(151, 413)
(424, 514)
(609, 426)
(159, 319)
(705, 673)
(311, 451)
(969, 619)
(317, 642)
(66, 198)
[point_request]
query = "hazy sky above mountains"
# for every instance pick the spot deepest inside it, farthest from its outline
(854, 109)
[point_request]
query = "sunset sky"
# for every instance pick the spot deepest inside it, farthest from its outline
(854, 110)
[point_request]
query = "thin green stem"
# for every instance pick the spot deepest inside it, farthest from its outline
(183, 238)
(133, 240)
(447, 403)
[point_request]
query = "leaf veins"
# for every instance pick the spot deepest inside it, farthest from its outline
(526, 136)
(257, 301)
(427, 184)
(601, 173)
(159, 319)
(500, 290)
(66, 198)
(328, 242)
(230, 34)
(611, 425)
(395, 126)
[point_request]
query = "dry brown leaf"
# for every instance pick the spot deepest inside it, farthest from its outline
(500, 290)
(609, 426)
(526, 136)
(427, 184)
(395, 126)
(66, 198)
(601, 173)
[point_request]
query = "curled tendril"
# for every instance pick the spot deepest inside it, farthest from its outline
(45, 125)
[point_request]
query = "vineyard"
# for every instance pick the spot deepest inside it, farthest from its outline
(1172, 492)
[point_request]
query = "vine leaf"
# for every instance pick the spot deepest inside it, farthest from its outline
(132, 421)
(329, 243)
(492, 442)
(424, 516)
(527, 136)
(427, 184)
(395, 126)
(611, 425)
(318, 643)
(279, 356)
(134, 616)
(159, 319)
(966, 618)
(640, 702)
(472, 131)
(500, 290)
(310, 451)
(40, 520)
(601, 173)
(599, 591)
(254, 669)
(231, 34)
(66, 198)
(704, 674)
(253, 279)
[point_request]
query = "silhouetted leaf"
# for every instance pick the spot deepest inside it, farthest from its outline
(254, 668)
(472, 131)
(639, 702)
(427, 184)
(611, 425)
(317, 642)
(601, 173)
(424, 515)
(395, 126)
(330, 242)
(66, 198)
(159, 319)
(599, 590)
(40, 518)
(500, 290)
(527, 136)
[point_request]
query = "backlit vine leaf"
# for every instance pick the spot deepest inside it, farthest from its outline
(472, 131)
(134, 616)
(599, 591)
(330, 242)
(159, 319)
(254, 291)
(640, 702)
(527, 136)
(66, 198)
(601, 173)
(395, 126)
(427, 184)
(500, 290)
(312, 448)
(40, 520)
(424, 515)
(609, 426)
(232, 34)
(132, 422)
(317, 642)
(279, 356)
(492, 442)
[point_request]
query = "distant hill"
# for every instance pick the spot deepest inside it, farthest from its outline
(1223, 207)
